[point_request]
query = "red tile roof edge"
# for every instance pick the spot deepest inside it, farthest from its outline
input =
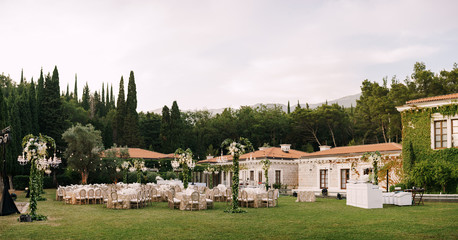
(435, 98)
(358, 149)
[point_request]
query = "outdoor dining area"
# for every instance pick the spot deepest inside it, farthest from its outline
(136, 195)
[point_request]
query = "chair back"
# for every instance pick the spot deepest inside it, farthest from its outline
(154, 191)
(195, 196)
(177, 189)
(276, 193)
(98, 192)
(228, 192)
(244, 195)
(270, 194)
(114, 196)
(170, 196)
(90, 193)
(60, 191)
(172, 190)
(82, 193)
(215, 191)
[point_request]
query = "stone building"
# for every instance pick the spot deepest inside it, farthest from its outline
(283, 168)
(331, 168)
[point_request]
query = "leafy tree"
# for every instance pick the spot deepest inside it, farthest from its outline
(450, 79)
(444, 172)
(84, 147)
(150, 128)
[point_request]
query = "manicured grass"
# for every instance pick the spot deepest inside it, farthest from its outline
(325, 218)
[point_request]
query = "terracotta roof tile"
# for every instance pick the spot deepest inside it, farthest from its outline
(381, 147)
(272, 152)
(435, 98)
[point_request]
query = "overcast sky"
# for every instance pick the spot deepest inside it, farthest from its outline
(215, 54)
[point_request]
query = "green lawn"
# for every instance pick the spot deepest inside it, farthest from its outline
(325, 218)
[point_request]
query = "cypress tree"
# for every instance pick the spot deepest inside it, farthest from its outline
(85, 99)
(118, 133)
(131, 127)
(33, 108)
(103, 93)
(67, 94)
(165, 131)
(289, 108)
(14, 120)
(112, 98)
(75, 89)
(176, 127)
(40, 90)
(25, 116)
(51, 113)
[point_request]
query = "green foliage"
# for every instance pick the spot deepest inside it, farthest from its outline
(168, 175)
(51, 117)
(118, 131)
(86, 98)
(433, 169)
(151, 177)
(20, 182)
(83, 151)
(236, 149)
(131, 136)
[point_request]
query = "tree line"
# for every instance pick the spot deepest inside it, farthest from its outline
(40, 107)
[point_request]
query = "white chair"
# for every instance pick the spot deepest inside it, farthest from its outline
(173, 202)
(114, 199)
(136, 200)
(98, 196)
(67, 197)
(195, 200)
(269, 200)
(90, 196)
(81, 196)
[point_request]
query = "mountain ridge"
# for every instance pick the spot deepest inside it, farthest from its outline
(346, 101)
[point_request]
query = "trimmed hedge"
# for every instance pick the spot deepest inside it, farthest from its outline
(20, 182)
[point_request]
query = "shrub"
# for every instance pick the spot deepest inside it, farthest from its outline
(47, 182)
(20, 182)
(168, 175)
(277, 185)
(151, 177)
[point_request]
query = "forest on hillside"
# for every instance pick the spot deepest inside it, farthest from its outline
(40, 106)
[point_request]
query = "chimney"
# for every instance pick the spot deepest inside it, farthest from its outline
(209, 157)
(285, 147)
(324, 147)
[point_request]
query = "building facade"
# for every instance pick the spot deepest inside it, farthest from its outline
(331, 168)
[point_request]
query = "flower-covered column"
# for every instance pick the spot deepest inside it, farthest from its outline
(139, 166)
(185, 159)
(265, 166)
(35, 151)
(236, 149)
(375, 159)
